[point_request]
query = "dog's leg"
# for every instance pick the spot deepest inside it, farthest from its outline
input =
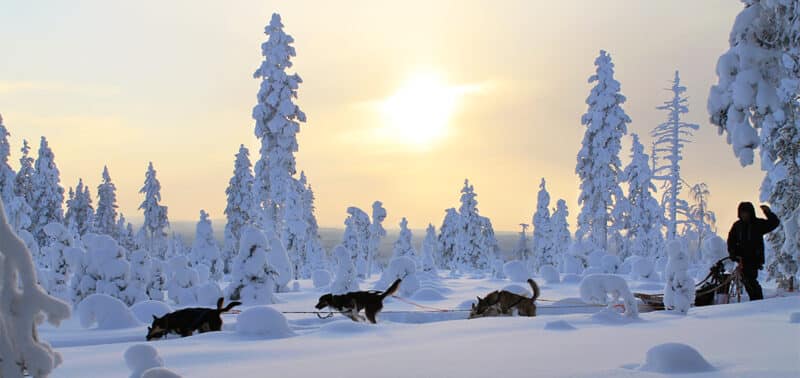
(370, 312)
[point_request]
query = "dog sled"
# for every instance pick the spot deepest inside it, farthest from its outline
(719, 287)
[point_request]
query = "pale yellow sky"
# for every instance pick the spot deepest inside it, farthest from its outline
(126, 83)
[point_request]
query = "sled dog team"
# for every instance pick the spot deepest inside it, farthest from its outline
(186, 321)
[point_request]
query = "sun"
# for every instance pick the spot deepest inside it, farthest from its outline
(419, 112)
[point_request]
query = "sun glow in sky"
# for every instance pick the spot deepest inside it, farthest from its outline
(418, 113)
(402, 104)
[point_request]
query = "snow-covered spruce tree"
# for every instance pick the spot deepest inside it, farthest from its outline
(7, 174)
(155, 215)
(205, 249)
(23, 182)
(108, 272)
(277, 124)
(403, 247)
(542, 233)
(428, 259)
(446, 241)
(560, 232)
(23, 305)
(757, 103)
(48, 195)
(182, 282)
(376, 233)
(356, 238)
(315, 253)
(295, 228)
(141, 275)
(645, 216)
(252, 278)
(670, 138)
(58, 240)
(522, 251)
(598, 159)
(124, 233)
(475, 245)
(702, 220)
(158, 280)
(240, 205)
(80, 213)
(105, 220)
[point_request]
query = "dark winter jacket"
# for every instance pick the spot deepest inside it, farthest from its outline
(745, 240)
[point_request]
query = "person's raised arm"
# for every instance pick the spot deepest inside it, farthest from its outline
(772, 222)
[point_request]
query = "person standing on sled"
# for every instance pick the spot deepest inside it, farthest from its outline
(746, 245)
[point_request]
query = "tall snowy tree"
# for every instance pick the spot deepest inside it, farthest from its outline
(23, 183)
(277, 124)
(356, 238)
(80, 212)
(315, 253)
(48, 194)
(756, 102)
(7, 175)
(403, 247)
(645, 216)
(125, 235)
(703, 221)
(376, 233)
(522, 251)
(105, 221)
(670, 138)
(155, 215)
(542, 234)
(475, 244)
(205, 249)
(598, 160)
(560, 231)
(446, 241)
(427, 260)
(240, 205)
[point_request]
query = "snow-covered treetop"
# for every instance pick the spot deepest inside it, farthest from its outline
(106, 217)
(7, 175)
(23, 183)
(469, 205)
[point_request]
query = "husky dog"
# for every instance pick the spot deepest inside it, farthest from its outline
(184, 322)
(503, 302)
(352, 303)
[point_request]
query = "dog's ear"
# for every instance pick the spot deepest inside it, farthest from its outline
(479, 299)
(155, 317)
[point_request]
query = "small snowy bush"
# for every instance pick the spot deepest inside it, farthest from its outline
(345, 280)
(610, 264)
(643, 268)
(550, 274)
(607, 289)
(403, 268)
(208, 293)
(182, 285)
(141, 357)
(253, 277)
(679, 291)
(428, 294)
(108, 312)
(108, 270)
(263, 321)
(516, 271)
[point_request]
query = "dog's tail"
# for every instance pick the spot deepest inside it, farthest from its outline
(535, 288)
(392, 289)
(228, 307)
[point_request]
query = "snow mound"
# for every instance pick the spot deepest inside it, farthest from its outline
(428, 294)
(144, 311)
(794, 317)
(160, 372)
(675, 358)
(571, 278)
(263, 321)
(559, 325)
(321, 278)
(519, 290)
(108, 312)
(140, 358)
(516, 271)
(550, 274)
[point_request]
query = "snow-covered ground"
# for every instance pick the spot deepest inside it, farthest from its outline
(753, 339)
